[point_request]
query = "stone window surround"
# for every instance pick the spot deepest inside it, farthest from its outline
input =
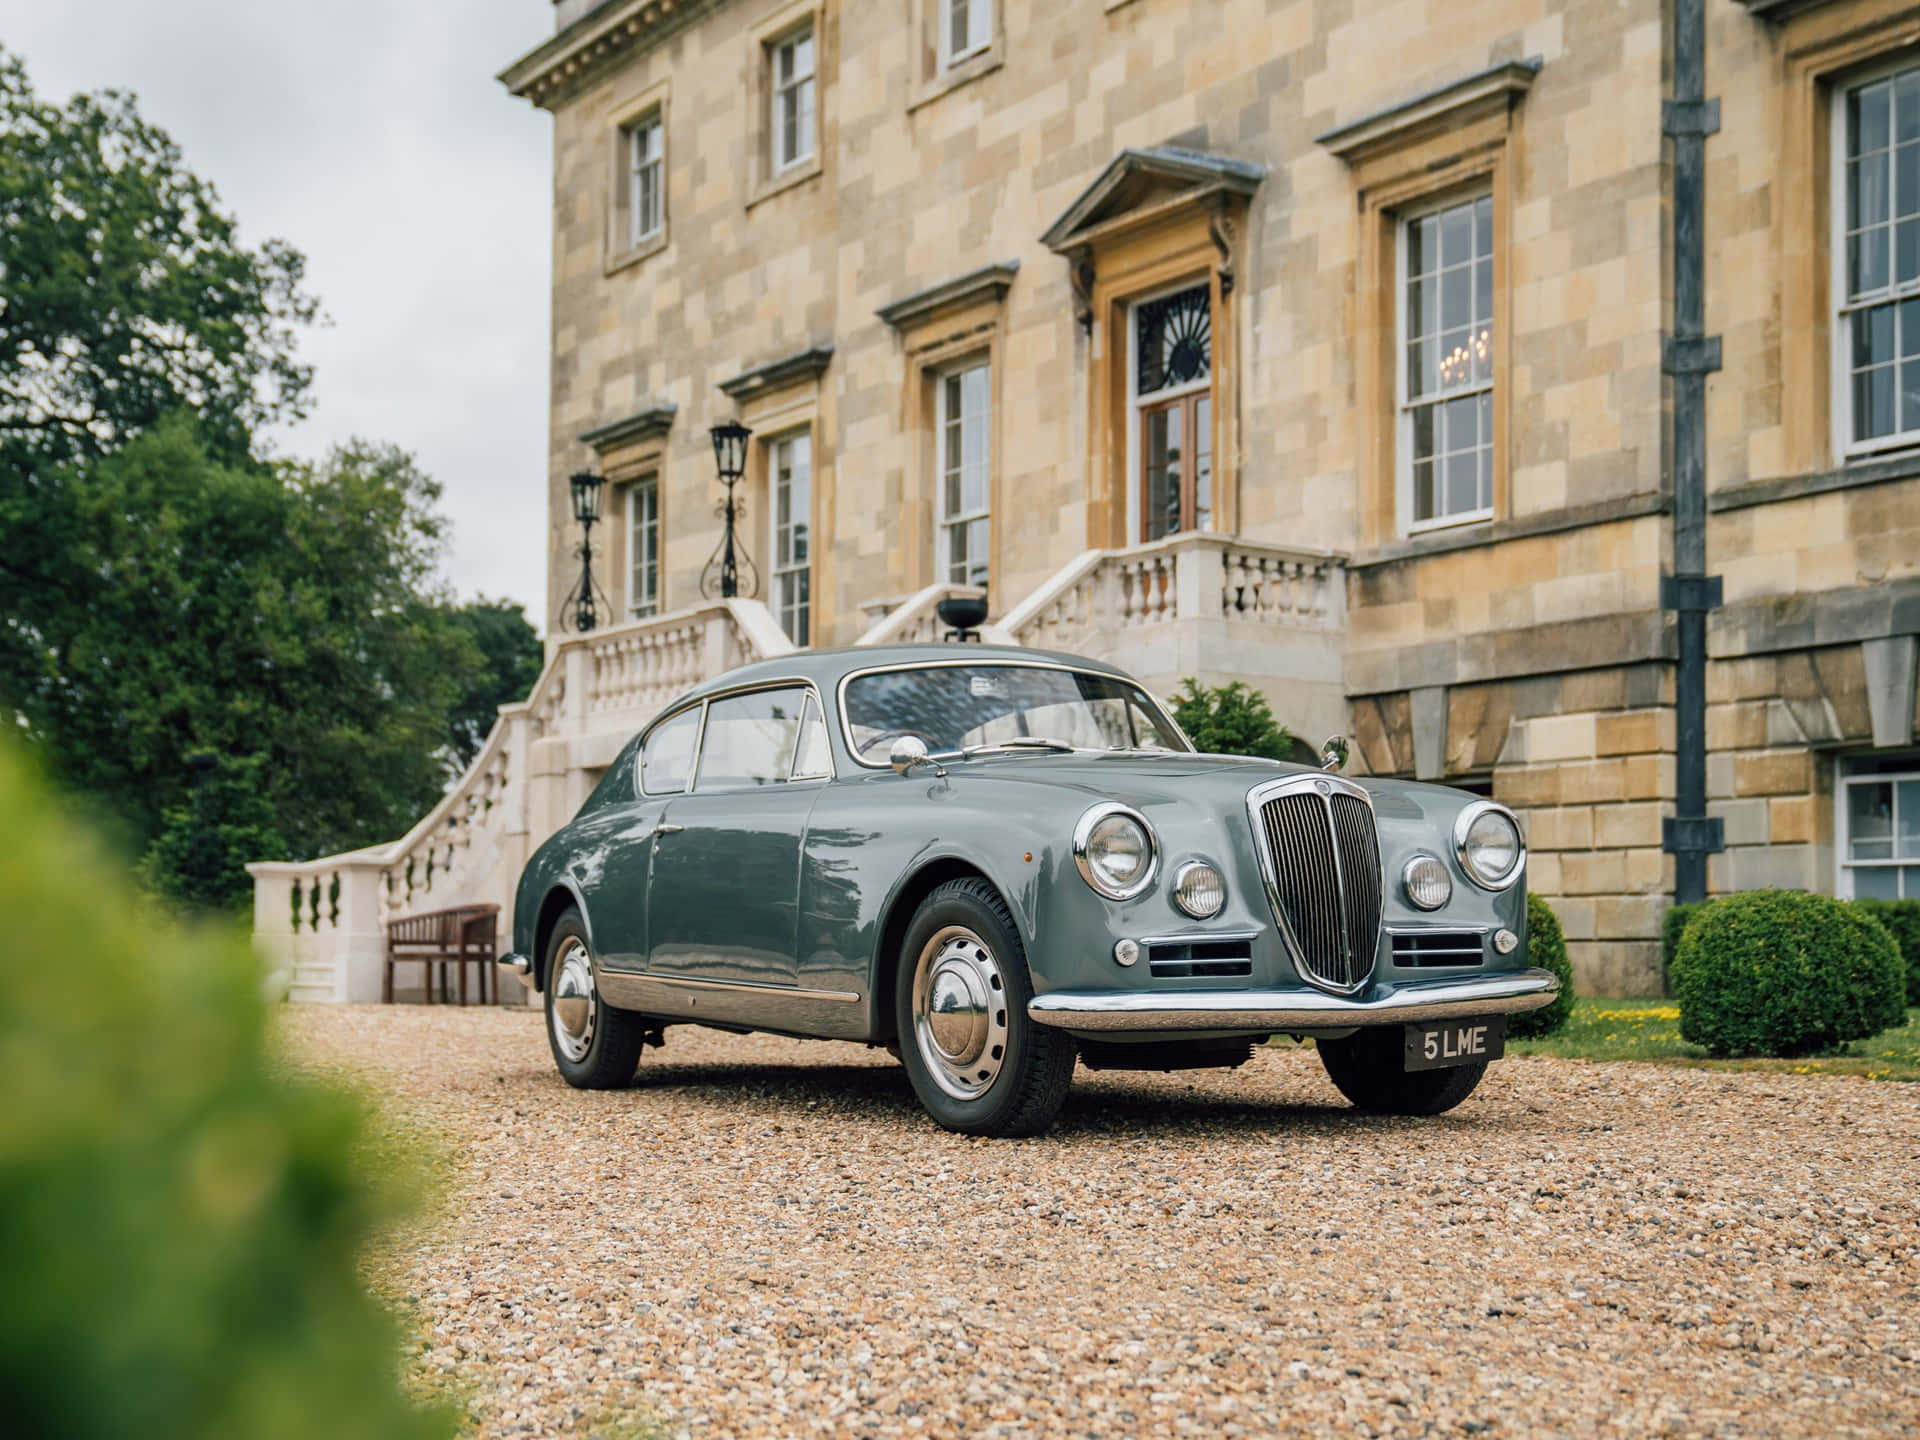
(775, 400)
(1133, 503)
(941, 327)
(1453, 143)
(932, 76)
(764, 181)
(628, 450)
(1845, 779)
(619, 253)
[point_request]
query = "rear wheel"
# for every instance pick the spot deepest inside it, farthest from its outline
(977, 1062)
(595, 1046)
(1369, 1068)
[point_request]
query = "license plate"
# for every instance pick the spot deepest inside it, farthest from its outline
(1456, 1042)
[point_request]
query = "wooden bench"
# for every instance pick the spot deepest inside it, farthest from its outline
(462, 936)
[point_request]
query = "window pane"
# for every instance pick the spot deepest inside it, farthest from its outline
(1456, 297)
(1867, 119)
(1906, 106)
(1423, 507)
(1867, 261)
(1463, 482)
(750, 740)
(1907, 816)
(1870, 821)
(1456, 235)
(1423, 432)
(1173, 340)
(803, 144)
(1867, 192)
(1456, 358)
(1906, 251)
(1483, 226)
(669, 754)
(1163, 473)
(1876, 882)
(957, 26)
(1203, 463)
(1873, 403)
(1906, 180)
(814, 757)
(1873, 337)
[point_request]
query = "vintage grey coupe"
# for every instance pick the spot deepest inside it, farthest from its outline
(997, 862)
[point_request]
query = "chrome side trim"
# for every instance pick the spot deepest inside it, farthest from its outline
(792, 1009)
(1274, 1011)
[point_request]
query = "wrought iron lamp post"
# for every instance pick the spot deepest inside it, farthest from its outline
(589, 492)
(723, 570)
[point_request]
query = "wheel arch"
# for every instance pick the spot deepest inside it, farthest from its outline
(559, 899)
(892, 934)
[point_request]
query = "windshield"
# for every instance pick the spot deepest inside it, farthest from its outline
(959, 707)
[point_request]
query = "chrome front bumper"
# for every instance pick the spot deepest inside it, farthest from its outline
(1277, 1011)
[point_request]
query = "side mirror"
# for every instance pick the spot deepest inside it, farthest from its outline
(906, 752)
(1333, 754)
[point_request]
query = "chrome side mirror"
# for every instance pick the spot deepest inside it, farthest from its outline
(907, 751)
(1333, 754)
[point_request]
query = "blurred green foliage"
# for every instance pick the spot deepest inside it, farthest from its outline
(1784, 973)
(1546, 949)
(1232, 719)
(182, 1221)
(1673, 925)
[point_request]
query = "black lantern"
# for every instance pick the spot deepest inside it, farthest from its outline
(587, 490)
(583, 612)
(723, 570)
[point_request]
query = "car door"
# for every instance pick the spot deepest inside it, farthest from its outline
(723, 896)
(615, 857)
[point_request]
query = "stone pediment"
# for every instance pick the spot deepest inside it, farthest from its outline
(1138, 185)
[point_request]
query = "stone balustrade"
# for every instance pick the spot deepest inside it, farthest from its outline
(321, 924)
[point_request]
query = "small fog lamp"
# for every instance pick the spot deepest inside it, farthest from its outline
(1427, 883)
(1199, 889)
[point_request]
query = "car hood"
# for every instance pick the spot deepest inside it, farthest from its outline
(1149, 780)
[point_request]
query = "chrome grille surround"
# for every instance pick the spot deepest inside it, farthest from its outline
(1320, 857)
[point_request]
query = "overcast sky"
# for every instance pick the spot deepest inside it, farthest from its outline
(372, 135)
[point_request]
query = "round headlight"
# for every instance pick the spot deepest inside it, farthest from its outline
(1114, 849)
(1491, 851)
(1199, 889)
(1427, 882)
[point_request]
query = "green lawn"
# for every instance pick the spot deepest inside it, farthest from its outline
(1650, 1030)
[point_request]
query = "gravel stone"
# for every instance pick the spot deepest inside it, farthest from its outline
(766, 1237)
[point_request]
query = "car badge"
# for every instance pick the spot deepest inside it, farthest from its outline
(1323, 787)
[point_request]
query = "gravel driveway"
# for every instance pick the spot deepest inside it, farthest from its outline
(765, 1237)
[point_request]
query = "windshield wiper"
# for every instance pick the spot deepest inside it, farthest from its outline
(1019, 742)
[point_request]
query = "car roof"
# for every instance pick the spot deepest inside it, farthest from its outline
(826, 667)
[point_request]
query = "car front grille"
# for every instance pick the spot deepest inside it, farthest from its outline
(1323, 859)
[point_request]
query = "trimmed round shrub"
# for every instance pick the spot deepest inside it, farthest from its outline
(1902, 919)
(1782, 972)
(1672, 926)
(1547, 949)
(183, 1220)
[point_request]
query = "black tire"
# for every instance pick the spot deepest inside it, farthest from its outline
(611, 1052)
(1022, 1071)
(1368, 1067)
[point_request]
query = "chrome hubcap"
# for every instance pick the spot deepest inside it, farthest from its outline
(575, 1006)
(960, 1012)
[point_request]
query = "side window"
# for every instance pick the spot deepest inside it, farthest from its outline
(668, 756)
(750, 740)
(814, 760)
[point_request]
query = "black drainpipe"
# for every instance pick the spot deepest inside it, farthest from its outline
(1689, 355)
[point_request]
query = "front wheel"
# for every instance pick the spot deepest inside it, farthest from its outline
(1368, 1067)
(595, 1046)
(978, 1063)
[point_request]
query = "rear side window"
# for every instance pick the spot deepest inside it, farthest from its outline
(750, 739)
(668, 757)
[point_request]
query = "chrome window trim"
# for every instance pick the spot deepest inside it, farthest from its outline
(1324, 784)
(1463, 822)
(1084, 827)
(640, 791)
(785, 682)
(853, 750)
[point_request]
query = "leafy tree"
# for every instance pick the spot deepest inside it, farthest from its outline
(1231, 720)
(512, 654)
(184, 1222)
(282, 617)
(125, 293)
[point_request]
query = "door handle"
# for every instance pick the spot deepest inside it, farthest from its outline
(668, 829)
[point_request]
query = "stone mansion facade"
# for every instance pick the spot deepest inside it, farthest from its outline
(1338, 345)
